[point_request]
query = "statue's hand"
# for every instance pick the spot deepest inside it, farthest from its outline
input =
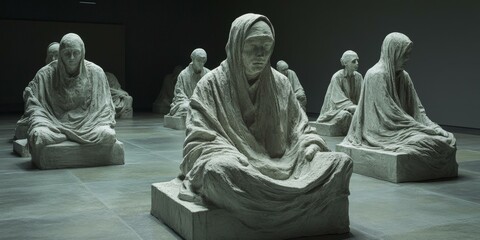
(310, 151)
(243, 160)
(352, 109)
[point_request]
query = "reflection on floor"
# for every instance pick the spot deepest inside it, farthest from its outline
(114, 202)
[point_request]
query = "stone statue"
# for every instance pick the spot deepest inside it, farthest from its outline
(69, 100)
(390, 117)
(164, 99)
(52, 52)
(342, 95)
(121, 100)
(187, 81)
(282, 67)
(22, 124)
(249, 148)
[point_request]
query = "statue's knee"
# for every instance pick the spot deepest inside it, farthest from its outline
(107, 134)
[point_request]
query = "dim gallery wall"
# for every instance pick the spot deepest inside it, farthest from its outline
(310, 35)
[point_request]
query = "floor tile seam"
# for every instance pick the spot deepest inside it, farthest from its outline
(450, 196)
(108, 207)
(135, 145)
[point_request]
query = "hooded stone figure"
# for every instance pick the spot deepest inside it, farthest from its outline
(249, 148)
(69, 99)
(282, 67)
(121, 100)
(390, 116)
(164, 98)
(342, 94)
(187, 81)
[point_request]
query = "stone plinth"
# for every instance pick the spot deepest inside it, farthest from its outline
(328, 129)
(197, 222)
(20, 147)
(174, 122)
(70, 155)
(396, 167)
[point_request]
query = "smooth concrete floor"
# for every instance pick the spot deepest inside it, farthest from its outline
(113, 202)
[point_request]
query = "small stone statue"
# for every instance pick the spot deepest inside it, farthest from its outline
(390, 117)
(69, 100)
(282, 67)
(187, 81)
(342, 95)
(52, 52)
(164, 99)
(121, 100)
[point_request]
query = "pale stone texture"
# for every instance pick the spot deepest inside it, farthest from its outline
(121, 100)
(250, 152)
(390, 118)
(396, 167)
(201, 222)
(164, 99)
(283, 68)
(341, 98)
(186, 83)
(68, 106)
(20, 147)
(174, 122)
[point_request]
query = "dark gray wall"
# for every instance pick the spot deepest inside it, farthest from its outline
(310, 35)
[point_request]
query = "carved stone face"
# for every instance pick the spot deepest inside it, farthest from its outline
(257, 49)
(198, 62)
(401, 62)
(351, 65)
(52, 53)
(71, 56)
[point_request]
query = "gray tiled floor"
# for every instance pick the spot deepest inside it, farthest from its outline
(114, 202)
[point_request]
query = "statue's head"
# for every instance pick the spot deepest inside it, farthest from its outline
(257, 48)
(282, 67)
(350, 61)
(199, 58)
(396, 49)
(52, 52)
(72, 52)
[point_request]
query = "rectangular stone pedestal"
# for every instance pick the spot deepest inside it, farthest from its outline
(20, 147)
(70, 155)
(395, 167)
(198, 222)
(326, 129)
(174, 122)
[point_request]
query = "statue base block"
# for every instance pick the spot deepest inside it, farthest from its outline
(20, 147)
(330, 130)
(71, 155)
(193, 221)
(174, 122)
(396, 167)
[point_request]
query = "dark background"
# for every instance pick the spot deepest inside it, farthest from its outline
(310, 35)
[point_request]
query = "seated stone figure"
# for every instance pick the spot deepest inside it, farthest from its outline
(341, 98)
(186, 83)
(282, 67)
(250, 152)
(121, 100)
(69, 101)
(164, 99)
(22, 124)
(391, 137)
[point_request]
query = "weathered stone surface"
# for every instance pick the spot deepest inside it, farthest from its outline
(329, 129)
(196, 221)
(396, 167)
(71, 155)
(20, 147)
(174, 122)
